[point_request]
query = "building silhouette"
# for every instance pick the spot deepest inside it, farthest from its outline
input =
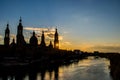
(20, 41)
(20, 38)
(33, 40)
(20, 48)
(42, 44)
(56, 41)
(7, 36)
(50, 45)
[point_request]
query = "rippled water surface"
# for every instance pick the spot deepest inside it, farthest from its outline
(87, 69)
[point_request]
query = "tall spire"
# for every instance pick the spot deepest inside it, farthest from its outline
(7, 29)
(43, 37)
(56, 40)
(7, 35)
(20, 21)
(50, 45)
(43, 40)
(33, 33)
(7, 24)
(20, 37)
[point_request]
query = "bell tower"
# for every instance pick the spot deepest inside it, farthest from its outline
(20, 37)
(56, 40)
(33, 40)
(7, 36)
(42, 44)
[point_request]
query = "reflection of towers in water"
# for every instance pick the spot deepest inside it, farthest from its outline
(20, 37)
(42, 75)
(7, 36)
(51, 74)
(32, 75)
(56, 72)
(56, 41)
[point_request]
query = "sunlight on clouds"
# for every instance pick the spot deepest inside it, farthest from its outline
(86, 47)
(1, 36)
(35, 29)
(68, 43)
(107, 48)
(65, 45)
(90, 47)
(48, 32)
(12, 36)
(60, 37)
(101, 47)
(1, 39)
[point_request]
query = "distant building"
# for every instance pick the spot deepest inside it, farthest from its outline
(96, 52)
(56, 40)
(77, 51)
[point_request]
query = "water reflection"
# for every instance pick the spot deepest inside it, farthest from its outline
(87, 69)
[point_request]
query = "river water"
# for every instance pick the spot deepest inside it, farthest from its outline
(86, 69)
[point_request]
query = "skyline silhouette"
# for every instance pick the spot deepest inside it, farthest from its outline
(33, 41)
(42, 39)
(36, 39)
(88, 25)
(20, 58)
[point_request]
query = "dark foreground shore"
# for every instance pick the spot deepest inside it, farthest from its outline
(18, 69)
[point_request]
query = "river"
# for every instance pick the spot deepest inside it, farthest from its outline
(86, 69)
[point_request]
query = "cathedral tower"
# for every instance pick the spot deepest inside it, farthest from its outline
(42, 44)
(56, 40)
(33, 40)
(7, 36)
(20, 37)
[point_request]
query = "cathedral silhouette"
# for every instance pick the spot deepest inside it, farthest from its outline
(33, 40)
(21, 48)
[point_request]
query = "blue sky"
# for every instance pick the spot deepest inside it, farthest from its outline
(83, 24)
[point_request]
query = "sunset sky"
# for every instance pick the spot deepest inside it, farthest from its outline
(88, 25)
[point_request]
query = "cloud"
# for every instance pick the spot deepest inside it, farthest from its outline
(60, 37)
(12, 36)
(1, 37)
(107, 48)
(48, 32)
(65, 45)
(35, 29)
